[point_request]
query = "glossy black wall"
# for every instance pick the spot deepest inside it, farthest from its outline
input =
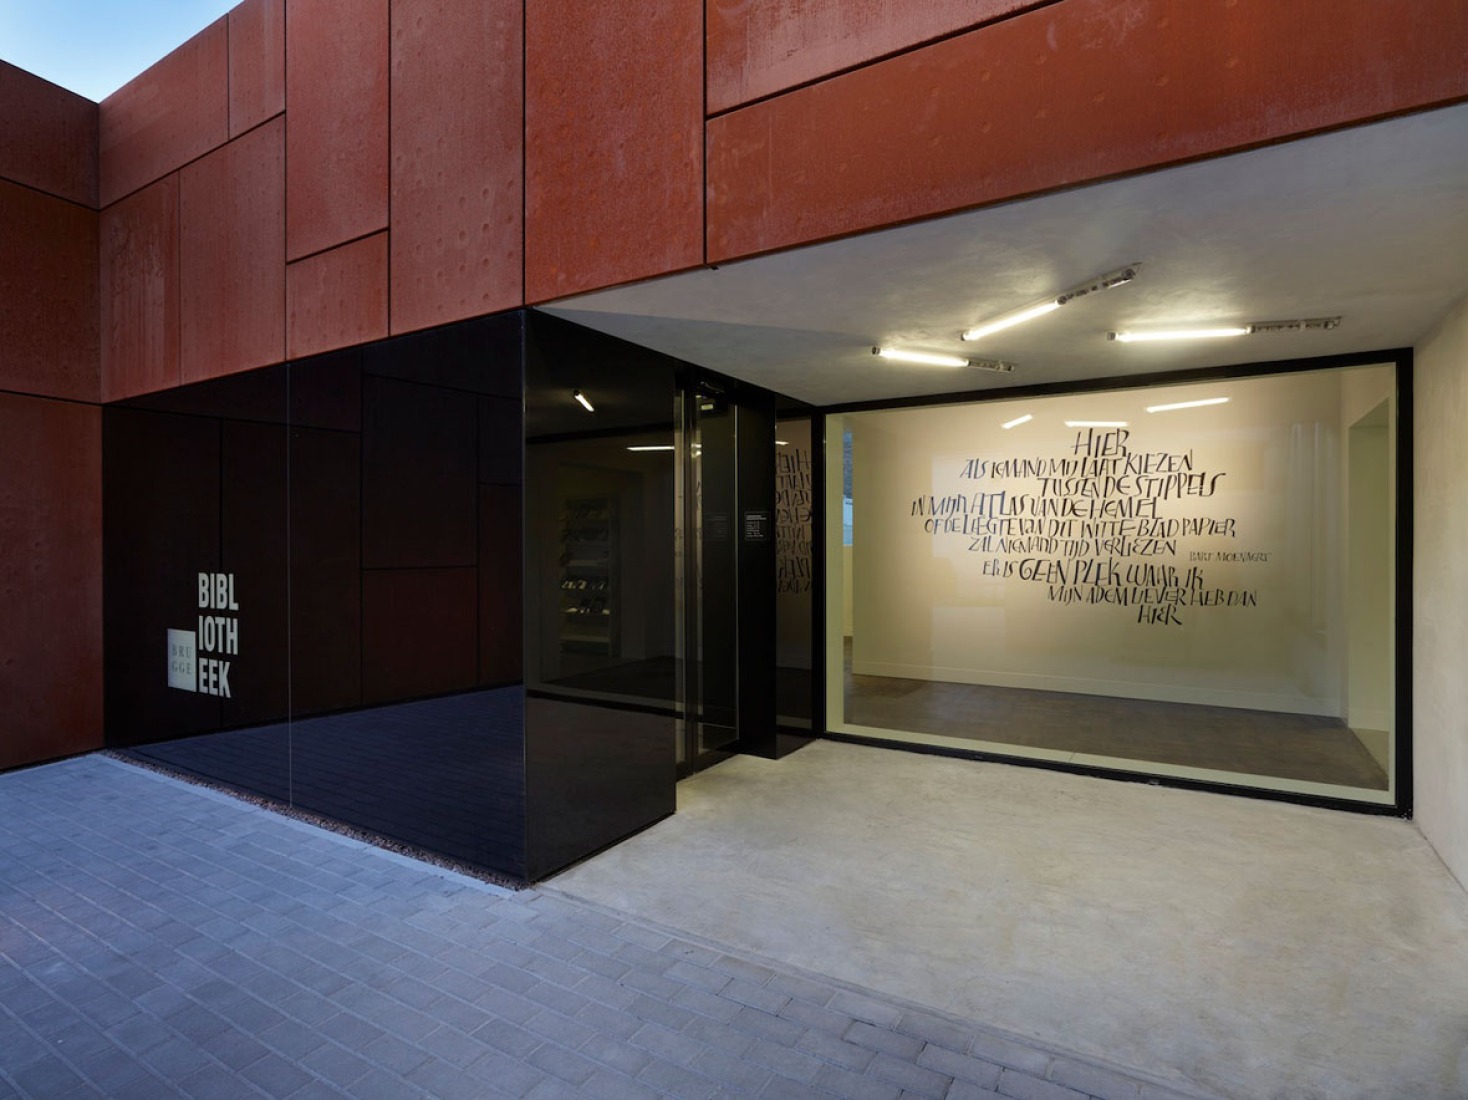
(601, 706)
(366, 506)
(396, 523)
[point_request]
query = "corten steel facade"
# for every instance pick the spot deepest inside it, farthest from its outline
(311, 175)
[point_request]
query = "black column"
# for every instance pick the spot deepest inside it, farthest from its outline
(756, 571)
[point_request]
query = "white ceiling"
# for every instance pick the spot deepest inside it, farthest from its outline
(1369, 223)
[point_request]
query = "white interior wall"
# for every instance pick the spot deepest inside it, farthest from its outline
(924, 606)
(1440, 589)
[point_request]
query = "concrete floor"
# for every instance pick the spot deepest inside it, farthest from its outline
(163, 942)
(1254, 948)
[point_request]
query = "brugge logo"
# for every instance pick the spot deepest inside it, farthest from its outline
(188, 667)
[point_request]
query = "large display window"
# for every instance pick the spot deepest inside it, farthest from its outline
(1194, 581)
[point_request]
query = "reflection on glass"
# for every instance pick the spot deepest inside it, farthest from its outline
(357, 652)
(1202, 590)
(600, 591)
(600, 513)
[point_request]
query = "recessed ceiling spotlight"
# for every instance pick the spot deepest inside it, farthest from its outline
(1187, 404)
(934, 359)
(581, 397)
(1119, 277)
(1254, 328)
(1017, 421)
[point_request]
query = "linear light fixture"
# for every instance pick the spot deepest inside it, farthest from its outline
(1095, 423)
(935, 359)
(1180, 334)
(923, 358)
(653, 447)
(1019, 317)
(1120, 277)
(581, 397)
(1017, 421)
(1187, 404)
(1254, 328)
(782, 443)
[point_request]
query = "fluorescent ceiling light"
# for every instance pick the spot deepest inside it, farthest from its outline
(1254, 328)
(653, 447)
(782, 443)
(932, 359)
(1307, 324)
(1179, 334)
(1017, 318)
(1017, 421)
(1187, 404)
(1095, 423)
(925, 358)
(581, 397)
(1119, 277)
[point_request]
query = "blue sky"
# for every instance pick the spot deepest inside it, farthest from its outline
(94, 47)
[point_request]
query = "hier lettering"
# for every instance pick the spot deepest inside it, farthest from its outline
(1088, 524)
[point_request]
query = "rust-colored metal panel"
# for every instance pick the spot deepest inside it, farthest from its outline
(1071, 93)
(613, 141)
(336, 122)
(48, 296)
(338, 298)
(759, 47)
(232, 256)
(256, 63)
(139, 290)
(48, 137)
(50, 579)
(457, 160)
(159, 121)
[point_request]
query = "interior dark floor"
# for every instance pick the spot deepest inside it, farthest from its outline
(1287, 746)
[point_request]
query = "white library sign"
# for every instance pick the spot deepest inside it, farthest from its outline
(195, 657)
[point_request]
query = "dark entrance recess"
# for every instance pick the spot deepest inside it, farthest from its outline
(751, 690)
(652, 533)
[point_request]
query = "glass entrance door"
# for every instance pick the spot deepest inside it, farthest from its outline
(709, 561)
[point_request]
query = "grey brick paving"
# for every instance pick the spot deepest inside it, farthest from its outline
(158, 940)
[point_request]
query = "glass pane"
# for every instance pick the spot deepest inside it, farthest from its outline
(1191, 580)
(195, 561)
(405, 616)
(715, 462)
(601, 632)
(794, 569)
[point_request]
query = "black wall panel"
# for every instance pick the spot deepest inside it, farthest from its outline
(594, 774)
(326, 569)
(420, 462)
(358, 507)
(599, 591)
(252, 531)
(501, 584)
(419, 632)
(160, 528)
(756, 586)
